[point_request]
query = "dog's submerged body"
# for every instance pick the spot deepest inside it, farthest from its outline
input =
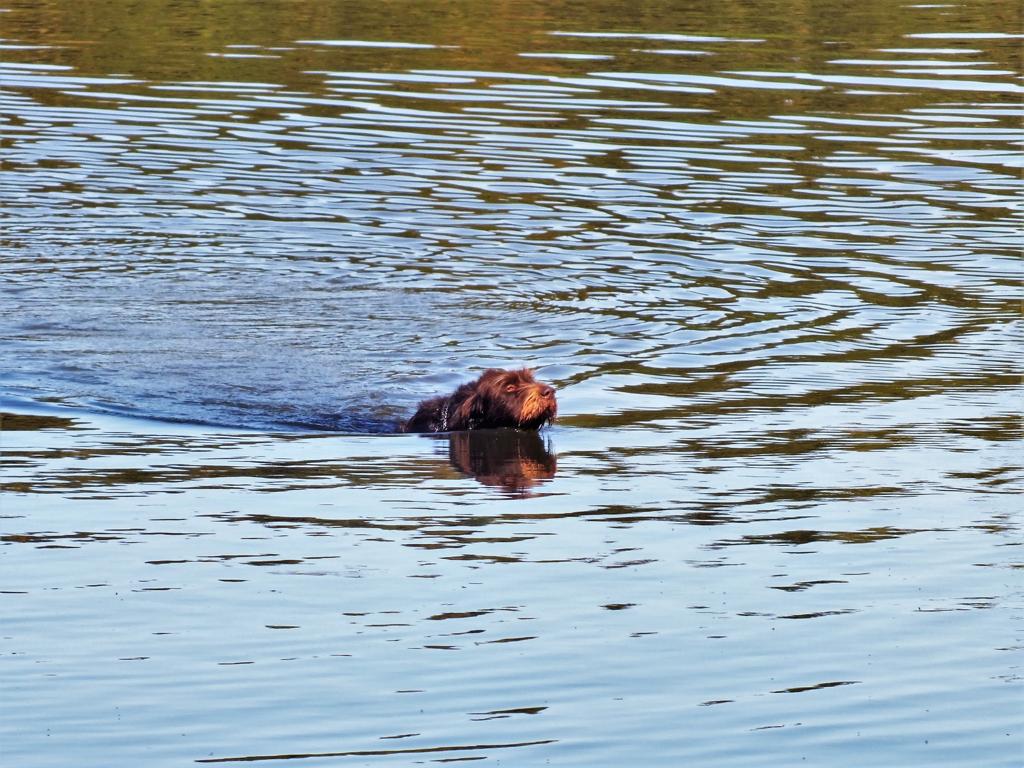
(499, 398)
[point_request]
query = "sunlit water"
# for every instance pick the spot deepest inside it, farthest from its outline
(770, 260)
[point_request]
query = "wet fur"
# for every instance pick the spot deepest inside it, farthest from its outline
(499, 398)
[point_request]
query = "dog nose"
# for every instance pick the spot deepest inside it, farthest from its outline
(547, 392)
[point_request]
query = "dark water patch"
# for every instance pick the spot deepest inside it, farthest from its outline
(22, 422)
(373, 753)
(805, 537)
(817, 687)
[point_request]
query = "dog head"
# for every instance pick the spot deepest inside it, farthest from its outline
(501, 398)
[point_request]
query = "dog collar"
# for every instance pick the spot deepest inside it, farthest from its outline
(444, 414)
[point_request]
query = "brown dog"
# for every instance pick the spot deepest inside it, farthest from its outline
(499, 398)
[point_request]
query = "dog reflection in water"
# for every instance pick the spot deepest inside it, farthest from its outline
(512, 460)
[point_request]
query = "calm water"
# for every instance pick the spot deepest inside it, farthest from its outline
(768, 253)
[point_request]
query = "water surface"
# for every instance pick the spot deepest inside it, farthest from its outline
(769, 257)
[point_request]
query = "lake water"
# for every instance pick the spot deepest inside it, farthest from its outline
(767, 252)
